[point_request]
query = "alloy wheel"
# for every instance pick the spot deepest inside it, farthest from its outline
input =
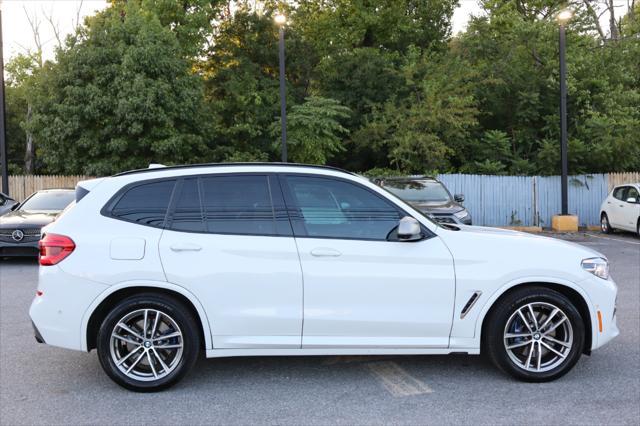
(146, 344)
(538, 337)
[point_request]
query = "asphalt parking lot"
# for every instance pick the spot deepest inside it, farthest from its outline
(45, 385)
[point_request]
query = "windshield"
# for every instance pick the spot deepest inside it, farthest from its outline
(424, 191)
(55, 200)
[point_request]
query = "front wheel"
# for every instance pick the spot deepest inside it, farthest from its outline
(535, 334)
(605, 226)
(148, 342)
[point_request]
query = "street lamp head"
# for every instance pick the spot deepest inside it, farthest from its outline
(280, 19)
(564, 16)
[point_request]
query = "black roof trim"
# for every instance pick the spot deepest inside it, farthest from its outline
(189, 166)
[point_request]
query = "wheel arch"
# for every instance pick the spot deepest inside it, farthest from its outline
(575, 294)
(101, 306)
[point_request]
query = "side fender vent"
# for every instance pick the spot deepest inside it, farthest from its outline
(472, 301)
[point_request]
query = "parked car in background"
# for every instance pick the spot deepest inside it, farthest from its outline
(621, 209)
(6, 203)
(430, 196)
(20, 228)
(154, 267)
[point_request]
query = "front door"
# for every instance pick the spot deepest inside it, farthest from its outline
(229, 242)
(362, 287)
(631, 210)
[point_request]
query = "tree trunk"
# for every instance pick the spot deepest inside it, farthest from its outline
(30, 154)
(613, 25)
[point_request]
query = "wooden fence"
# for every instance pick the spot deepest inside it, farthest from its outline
(21, 186)
(620, 178)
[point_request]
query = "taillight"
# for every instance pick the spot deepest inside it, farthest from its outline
(54, 248)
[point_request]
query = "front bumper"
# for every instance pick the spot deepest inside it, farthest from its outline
(603, 294)
(19, 250)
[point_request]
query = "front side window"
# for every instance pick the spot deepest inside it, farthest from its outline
(618, 193)
(145, 204)
(330, 208)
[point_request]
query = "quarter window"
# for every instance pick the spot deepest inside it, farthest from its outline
(145, 204)
(631, 193)
(331, 208)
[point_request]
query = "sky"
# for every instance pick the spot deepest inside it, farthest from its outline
(18, 37)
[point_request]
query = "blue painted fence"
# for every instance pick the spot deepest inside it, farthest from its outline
(527, 200)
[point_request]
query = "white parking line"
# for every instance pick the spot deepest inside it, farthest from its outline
(614, 239)
(396, 380)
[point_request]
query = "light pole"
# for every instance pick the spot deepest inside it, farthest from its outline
(281, 20)
(4, 161)
(563, 17)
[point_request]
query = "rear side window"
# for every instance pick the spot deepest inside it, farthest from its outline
(238, 204)
(187, 214)
(230, 204)
(145, 204)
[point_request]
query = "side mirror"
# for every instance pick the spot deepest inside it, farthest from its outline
(459, 198)
(409, 229)
(632, 200)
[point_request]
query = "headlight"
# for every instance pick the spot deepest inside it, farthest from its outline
(461, 214)
(597, 266)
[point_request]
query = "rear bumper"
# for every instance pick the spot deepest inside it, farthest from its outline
(57, 312)
(37, 334)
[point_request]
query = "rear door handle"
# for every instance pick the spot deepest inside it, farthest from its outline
(325, 252)
(185, 247)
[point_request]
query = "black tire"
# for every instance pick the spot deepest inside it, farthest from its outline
(173, 312)
(494, 340)
(605, 226)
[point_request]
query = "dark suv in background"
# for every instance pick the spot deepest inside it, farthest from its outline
(430, 196)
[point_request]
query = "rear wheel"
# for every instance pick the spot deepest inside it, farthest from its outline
(605, 226)
(535, 334)
(148, 342)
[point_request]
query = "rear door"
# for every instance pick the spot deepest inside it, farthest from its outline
(362, 287)
(229, 242)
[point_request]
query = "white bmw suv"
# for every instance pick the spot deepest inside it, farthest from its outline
(153, 267)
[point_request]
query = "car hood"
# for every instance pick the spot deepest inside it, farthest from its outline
(449, 206)
(516, 253)
(27, 219)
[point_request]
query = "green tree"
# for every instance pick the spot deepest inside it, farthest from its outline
(314, 132)
(119, 96)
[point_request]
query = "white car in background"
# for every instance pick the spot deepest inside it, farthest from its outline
(621, 209)
(153, 267)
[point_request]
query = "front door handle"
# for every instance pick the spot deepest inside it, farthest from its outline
(325, 252)
(185, 247)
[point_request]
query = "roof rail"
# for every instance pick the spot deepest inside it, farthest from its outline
(262, 164)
